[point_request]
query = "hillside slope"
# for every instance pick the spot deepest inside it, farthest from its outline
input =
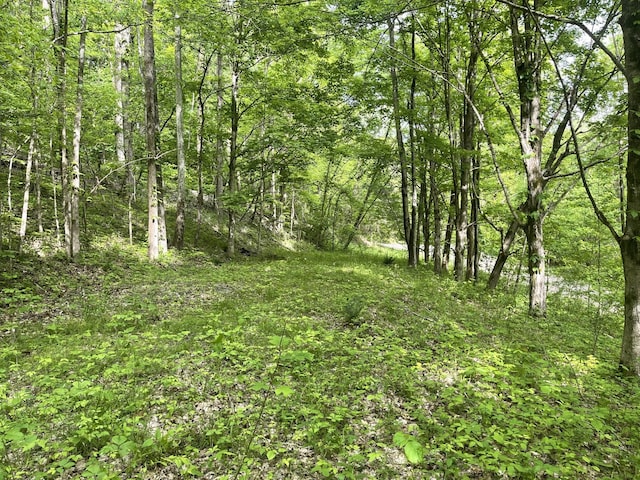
(314, 365)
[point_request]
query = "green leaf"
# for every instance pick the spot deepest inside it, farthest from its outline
(414, 451)
(412, 448)
(271, 454)
(284, 390)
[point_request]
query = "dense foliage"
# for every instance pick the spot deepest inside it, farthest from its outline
(301, 365)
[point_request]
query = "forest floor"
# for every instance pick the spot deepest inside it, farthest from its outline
(300, 365)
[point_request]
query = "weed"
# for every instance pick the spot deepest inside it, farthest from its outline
(195, 369)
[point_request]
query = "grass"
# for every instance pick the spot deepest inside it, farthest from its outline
(313, 365)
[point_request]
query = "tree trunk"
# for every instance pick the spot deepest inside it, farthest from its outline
(152, 127)
(528, 64)
(503, 255)
(451, 225)
(75, 161)
(434, 200)
(414, 252)
(27, 186)
(425, 213)
(466, 160)
(182, 169)
(202, 100)
(122, 40)
(406, 216)
(629, 242)
(59, 21)
(220, 150)
(473, 253)
(233, 156)
(124, 144)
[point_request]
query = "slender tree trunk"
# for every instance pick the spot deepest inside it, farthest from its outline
(163, 238)
(233, 156)
(124, 144)
(54, 183)
(75, 161)
(122, 40)
(364, 207)
(182, 169)
(59, 21)
(451, 225)
(38, 190)
(27, 186)
(414, 252)
(406, 216)
(202, 100)
(31, 157)
(473, 253)
(503, 255)
(434, 200)
(220, 150)
(466, 160)
(152, 127)
(425, 213)
(629, 242)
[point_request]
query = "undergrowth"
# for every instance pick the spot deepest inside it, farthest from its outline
(313, 365)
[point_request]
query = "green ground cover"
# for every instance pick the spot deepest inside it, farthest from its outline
(303, 365)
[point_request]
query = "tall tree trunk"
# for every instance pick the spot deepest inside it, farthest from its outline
(27, 186)
(124, 144)
(30, 158)
(122, 40)
(451, 224)
(75, 161)
(59, 21)
(152, 128)
(163, 238)
(406, 216)
(528, 63)
(434, 201)
(473, 252)
(182, 169)
(233, 156)
(466, 160)
(202, 100)
(220, 148)
(414, 251)
(630, 240)
(425, 213)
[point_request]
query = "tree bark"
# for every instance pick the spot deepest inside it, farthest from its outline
(406, 201)
(473, 253)
(630, 240)
(526, 43)
(414, 252)
(27, 186)
(466, 160)
(59, 20)
(434, 200)
(152, 127)
(75, 161)
(233, 156)
(182, 169)
(220, 147)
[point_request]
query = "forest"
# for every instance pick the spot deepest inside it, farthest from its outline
(319, 239)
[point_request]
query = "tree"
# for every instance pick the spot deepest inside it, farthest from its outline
(74, 206)
(182, 169)
(152, 129)
(629, 241)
